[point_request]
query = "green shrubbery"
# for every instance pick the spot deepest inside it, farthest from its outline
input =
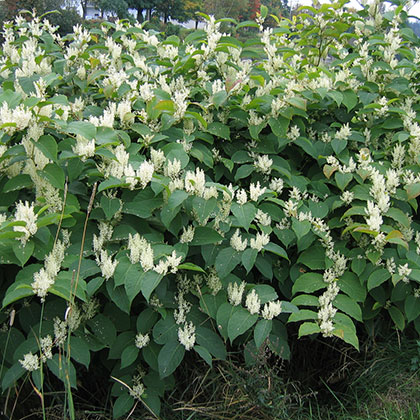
(160, 197)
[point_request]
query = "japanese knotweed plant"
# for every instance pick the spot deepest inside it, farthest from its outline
(161, 196)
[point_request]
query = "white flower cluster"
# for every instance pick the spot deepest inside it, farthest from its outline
(142, 340)
(235, 293)
(45, 277)
(187, 234)
(271, 310)
(237, 243)
(260, 241)
(25, 212)
(253, 302)
(186, 335)
(213, 281)
(140, 251)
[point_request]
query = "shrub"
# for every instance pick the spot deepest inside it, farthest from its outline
(160, 198)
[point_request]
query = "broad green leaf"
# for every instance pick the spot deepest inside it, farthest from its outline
(150, 281)
(110, 206)
(350, 284)
(220, 130)
(204, 235)
(23, 253)
(129, 355)
(314, 258)
(378, 277)
(413, 190)
(411, 308)
(18, 182)
(305, 300)
(301, 228)
(165, 330)
(244, 213)
(349, 306)
(302, 315)
(80, 351)
(308, 283)
(48, 147)
(240, 321)
(276, 249)
(170, 357)
(223, 315)
(104, 329)
(83, 128)
(227, 259)
(211, 341)
(248, 258)
(308, 328)
(262, 330)
(204, 354)
(122, 405)
(397, 317)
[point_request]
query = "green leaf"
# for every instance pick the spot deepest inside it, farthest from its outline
(204, 208)
(170, 357)
(223, 315)
(305, 300)
(411, 308)
(80, 351)
(112, 182)
(248, 258)
(350, 284)
(191, 267)
(110, 206)
(277, 250)
(23, 253)
(308, 283)
(165, 330)
(301, 228)
(103, 329)
(240, 321)
(18, 182)
(227, 259)
(397, 317)
(63, 369)
(262, 331)
(123, 404)
(244, 213)
(349, 306)
(378, 277)
(350, 99)
(265, 292)
(150, 281)
(244, 171)
(413, 190)
(129, 355)
(345, 331)
(314, 258)
(204, 235)
(176, 199)
(308, 328)
(399, 216)
(83, 128)
(204, 354)
(55, 175)
(48, 146)
(302, 315)
(11, 375)
(342, 180)
(218, 129)
(211, 341)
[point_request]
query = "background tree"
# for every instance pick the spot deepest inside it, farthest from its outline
(115, 7)
(172, 9)
(141, 6)
(235, 9)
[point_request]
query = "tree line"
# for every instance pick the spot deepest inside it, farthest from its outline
(180, 10)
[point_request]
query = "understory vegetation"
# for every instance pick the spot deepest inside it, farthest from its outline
(211, 228)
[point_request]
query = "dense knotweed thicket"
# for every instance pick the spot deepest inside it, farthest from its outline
(161, 196)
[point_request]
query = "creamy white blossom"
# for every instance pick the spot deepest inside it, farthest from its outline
(187, 234)
(25, 212)
(186, 335)
(260, 240)
(253, 302)
(237, 243)
(142, 340)
(30, 362)
(271, 310)
(235, 293)
(255, 191)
